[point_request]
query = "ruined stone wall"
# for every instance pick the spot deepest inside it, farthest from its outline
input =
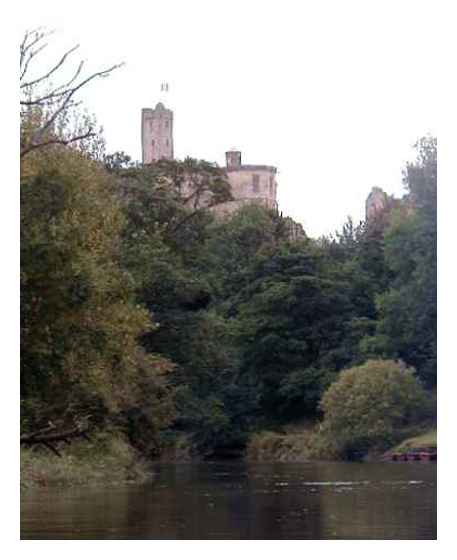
(377, 201)
(379, 206)
(254, 183)
(250, 184)
(227, 209)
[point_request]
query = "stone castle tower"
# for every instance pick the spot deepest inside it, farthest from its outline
(250, 184)
(157, 133)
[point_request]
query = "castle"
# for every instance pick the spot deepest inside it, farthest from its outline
(379, 205)
(376, 203)
(249, 183)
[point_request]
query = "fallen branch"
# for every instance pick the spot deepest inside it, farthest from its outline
(47, 439)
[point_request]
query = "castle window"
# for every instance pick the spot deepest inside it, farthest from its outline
(153, 143)
(166, 124)
(271, 186)
(168, 143)
(255, 182)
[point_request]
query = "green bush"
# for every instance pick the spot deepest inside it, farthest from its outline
(285, 447)
(108, 459)
(369, 407)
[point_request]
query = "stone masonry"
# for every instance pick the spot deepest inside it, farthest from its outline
(377, 201)
(157, 133)
(251, 184)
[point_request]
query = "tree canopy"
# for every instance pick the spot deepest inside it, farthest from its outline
(143, 311)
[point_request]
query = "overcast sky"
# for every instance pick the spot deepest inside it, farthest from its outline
(333, 94)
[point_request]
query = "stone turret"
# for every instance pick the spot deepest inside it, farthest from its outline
(233, 159)
(157, 133)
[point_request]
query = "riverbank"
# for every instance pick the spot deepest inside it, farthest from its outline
(108, 459)
(300, 443)
(290, 446)
(423, 441)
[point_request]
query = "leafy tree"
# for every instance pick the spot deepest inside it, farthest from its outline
(358, 253)
(294, 318)
(369, 406)
(407, 310)
(141, 309)
(80, 324)
(118, 161)
(232, 246)
(163, 248)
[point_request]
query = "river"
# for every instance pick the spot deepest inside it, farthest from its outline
(235, 500)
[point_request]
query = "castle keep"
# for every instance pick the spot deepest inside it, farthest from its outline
(157, 133)
(249, 183)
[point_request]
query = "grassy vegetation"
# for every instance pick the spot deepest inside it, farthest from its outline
(292, 445)
(425, 440)
(107, 460)
(297, 443)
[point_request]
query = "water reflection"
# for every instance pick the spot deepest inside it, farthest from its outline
(246, 501)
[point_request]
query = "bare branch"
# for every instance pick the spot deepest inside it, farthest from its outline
(22, 48)
(53, 69)
(52, 105)
(75, 75)
(56, 93)
(66, 101)
(30, 57)
(26, 48)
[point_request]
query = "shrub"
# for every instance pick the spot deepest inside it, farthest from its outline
(108, 459)
(367, 407)
(285, 447)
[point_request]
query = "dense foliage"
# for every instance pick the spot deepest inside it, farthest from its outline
(368, 406)
(408, 309)
(143, 312)
(80, 324)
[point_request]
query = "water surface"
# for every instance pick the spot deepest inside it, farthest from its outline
(245, 501)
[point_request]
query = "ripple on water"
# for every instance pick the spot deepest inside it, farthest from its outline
(335, 483)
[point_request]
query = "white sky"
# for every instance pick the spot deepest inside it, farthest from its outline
(332, 93)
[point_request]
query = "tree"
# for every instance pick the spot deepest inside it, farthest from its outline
(369, 406)
(408, 308)
(233, 245)
(80, 325)
(47, 108)
(293, 325)
(163, 249)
